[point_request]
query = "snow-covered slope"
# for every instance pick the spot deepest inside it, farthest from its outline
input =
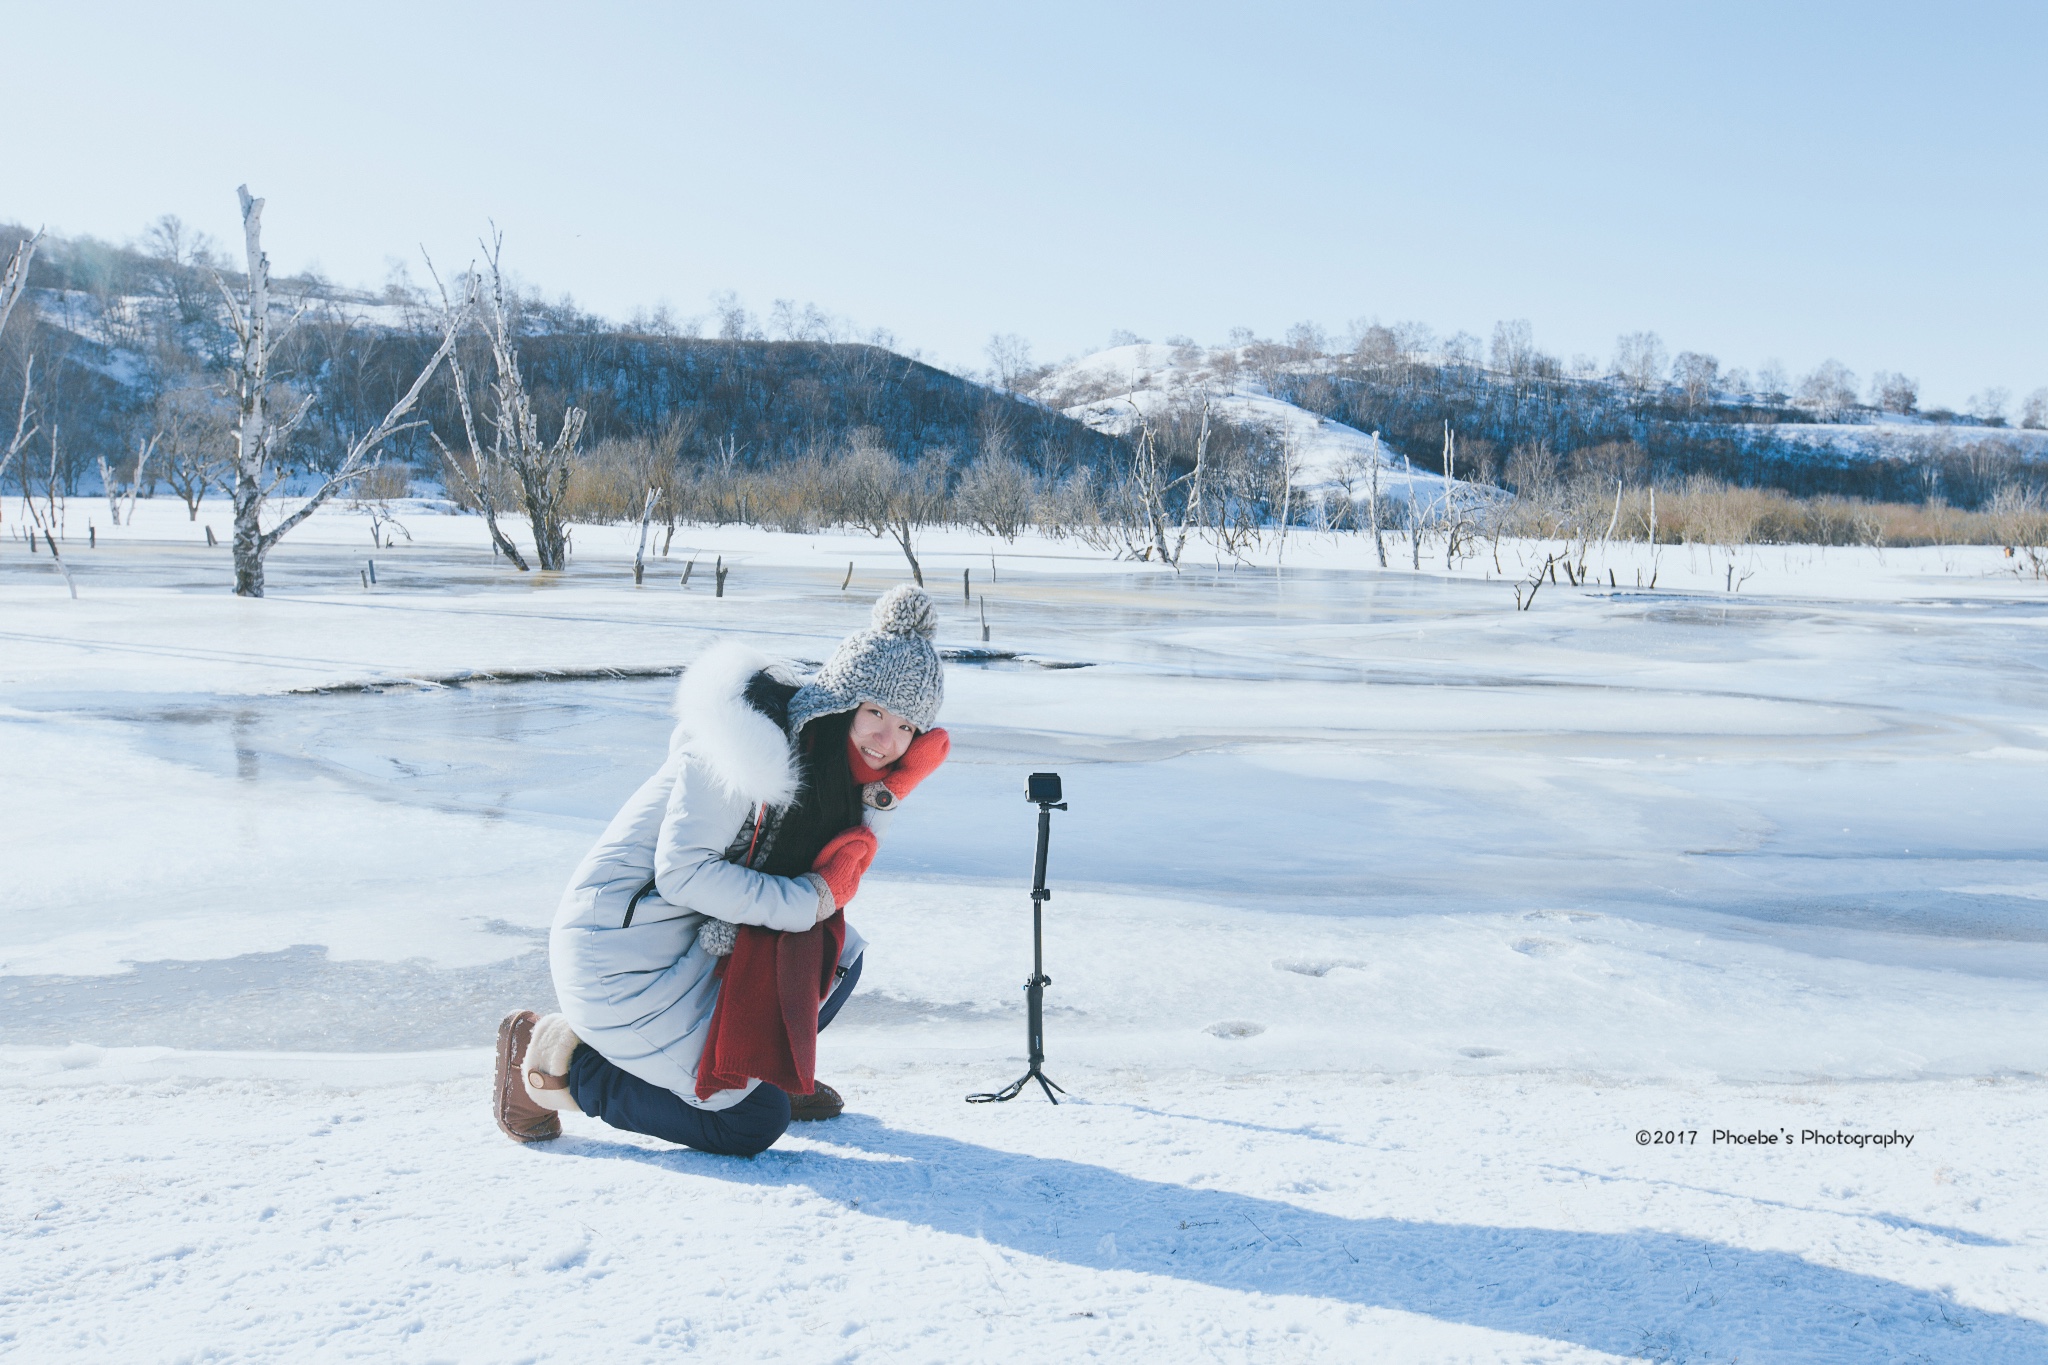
(1111, 389)
(1906, 438)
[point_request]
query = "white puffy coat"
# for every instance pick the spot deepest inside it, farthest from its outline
(642, 992)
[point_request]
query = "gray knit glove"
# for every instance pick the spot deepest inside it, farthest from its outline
(716, 936)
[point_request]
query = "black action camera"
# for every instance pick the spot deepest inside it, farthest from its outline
(1042, 789)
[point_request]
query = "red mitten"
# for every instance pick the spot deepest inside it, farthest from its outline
(919, 761)
(842, 861)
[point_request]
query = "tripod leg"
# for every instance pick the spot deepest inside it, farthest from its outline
(1046, 1081)
(1008, 1092)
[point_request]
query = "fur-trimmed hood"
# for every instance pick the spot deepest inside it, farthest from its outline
(744, 750)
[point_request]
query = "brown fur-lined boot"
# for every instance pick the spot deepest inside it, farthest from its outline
(822, 1103)
(518, 1115)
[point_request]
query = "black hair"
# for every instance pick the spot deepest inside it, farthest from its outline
(828, 803)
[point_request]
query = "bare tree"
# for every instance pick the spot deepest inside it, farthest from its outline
(1461, 527)
(479, 478)
(111, 486)
(1514, 348)
(1197, 481)
(1696, 374)
(1009, 360)
(194, 426)
(663, 468)
(22, 432)
(996, 494)
(1306, 341)
(1372, 499)
(1830, 390)
(140, 479)
(12, 281)
(1893, 392)
(1379, 349)
(884, 496)
(1771, 383)
(539, 468)
(640, 550)
(1639, 361)
(1989, 405)
(2034, 413)
(182, 258)
(2020, 521)
(1414, 517)
(259, 438)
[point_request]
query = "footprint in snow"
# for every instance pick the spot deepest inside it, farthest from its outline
(1539, 947)
(1317, 966)
(1235, 1028)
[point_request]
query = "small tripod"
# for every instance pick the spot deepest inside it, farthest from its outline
(1043, 790)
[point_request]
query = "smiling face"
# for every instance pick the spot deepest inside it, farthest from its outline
(881, 735)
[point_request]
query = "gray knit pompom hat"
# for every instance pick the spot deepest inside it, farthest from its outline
(891, 663)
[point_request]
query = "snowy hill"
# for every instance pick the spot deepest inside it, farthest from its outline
(1110, 390)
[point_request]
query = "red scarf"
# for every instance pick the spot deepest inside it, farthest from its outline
(765, 1025)
(857, 761)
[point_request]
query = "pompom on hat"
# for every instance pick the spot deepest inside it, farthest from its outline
(891, 663)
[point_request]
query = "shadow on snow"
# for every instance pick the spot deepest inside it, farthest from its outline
(1646, 1294)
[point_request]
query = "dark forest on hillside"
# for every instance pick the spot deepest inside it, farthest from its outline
(130, 340)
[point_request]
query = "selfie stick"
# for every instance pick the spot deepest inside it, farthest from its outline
(1034, 989)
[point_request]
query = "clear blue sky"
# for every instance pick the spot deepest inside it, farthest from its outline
(1857, 181)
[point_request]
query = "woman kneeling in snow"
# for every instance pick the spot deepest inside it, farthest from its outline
(701, 944)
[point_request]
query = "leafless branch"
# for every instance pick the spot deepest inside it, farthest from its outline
(15, 278)
(358, 460)
(22, 430)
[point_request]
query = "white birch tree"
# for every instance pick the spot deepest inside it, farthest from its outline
(1198, 477)
(12, 281)
(15, 278)
(539, 468)
(260, 438)
(480, 478)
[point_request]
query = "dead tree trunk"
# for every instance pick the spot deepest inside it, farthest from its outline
(15, 278)
(22, 432)
(1148, 470)
(1191, 506)
(1379, 539)
(541, 469)
(259, 439)
(1452, 524)
(107, 487)
(478, 488)
(640, 551)
(1414, 518)
(135, 483)
(12, 281)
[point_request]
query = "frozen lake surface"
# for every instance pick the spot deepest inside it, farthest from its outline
(1856, 780)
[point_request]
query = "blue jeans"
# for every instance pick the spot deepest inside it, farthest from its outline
(625, 1101)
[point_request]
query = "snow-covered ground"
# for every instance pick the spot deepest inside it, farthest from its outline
(1388, 922)
(1890, 436)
